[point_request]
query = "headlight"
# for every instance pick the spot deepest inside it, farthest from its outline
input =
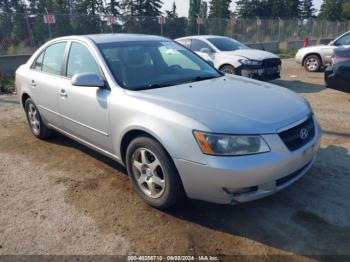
(230, 145)
(250, 62)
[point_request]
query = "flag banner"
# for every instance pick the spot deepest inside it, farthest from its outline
(162, 20)
(49, 19)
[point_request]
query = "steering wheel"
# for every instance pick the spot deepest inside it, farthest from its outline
(175, 67)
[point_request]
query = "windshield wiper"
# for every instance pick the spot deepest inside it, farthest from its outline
(202, 78)
(152, 86)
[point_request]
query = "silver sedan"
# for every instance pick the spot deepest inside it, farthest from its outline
(180, 127)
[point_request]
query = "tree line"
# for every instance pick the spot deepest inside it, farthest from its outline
(331, 10)
(23, 19)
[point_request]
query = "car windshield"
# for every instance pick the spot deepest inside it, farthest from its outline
(140, 65)
(227, 44)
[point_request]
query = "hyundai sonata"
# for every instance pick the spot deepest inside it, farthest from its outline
(180, 127)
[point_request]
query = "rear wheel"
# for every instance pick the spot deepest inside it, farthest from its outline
(153, 174)
(228, 69)
(35, 121)
(313, 63)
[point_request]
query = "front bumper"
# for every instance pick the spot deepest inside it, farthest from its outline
(230, 180)
(260, 73)
(299, 58)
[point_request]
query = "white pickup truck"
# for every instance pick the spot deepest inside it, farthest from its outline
(314, 58)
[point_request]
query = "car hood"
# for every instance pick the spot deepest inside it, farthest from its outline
(253, 54)
(232, 104)
(315, 48)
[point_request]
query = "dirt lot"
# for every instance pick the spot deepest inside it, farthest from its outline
(58, 197)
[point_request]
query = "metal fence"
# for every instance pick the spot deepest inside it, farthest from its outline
(21, 33)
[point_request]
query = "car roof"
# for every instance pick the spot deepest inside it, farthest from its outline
(202, 37)
(110, 38)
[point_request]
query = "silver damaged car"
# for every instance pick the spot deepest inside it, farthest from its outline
(179, 126)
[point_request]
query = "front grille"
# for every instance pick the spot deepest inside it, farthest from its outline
(293, 137)
(272, 62)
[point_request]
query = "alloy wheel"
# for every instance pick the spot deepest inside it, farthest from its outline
(228, 70)
(148, 173)
(34, 119)
(312, 64)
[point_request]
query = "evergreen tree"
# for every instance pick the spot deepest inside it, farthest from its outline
(141, 16)
(293, 8)
(331, 10)
(346, 9)
(204, 10)
(62, 9)
(175, 25)
(86, 19)
(5, 18)
(219, 8)
(195, 10)
(266, 9)
(112, 7)
(128, 13)
(218, 14)
(253, 8)
(307, 9)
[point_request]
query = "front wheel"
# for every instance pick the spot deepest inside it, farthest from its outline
(228, 69)
(313, 63)
(153, 174)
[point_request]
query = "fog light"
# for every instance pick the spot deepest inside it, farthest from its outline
(240, 191)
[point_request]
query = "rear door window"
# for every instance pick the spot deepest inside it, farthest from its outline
(198, 45)
(38, 63)
(54, 58)
(185, 42)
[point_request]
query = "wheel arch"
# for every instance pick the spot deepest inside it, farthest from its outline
(134, 133)
(24, 98)
(226, 64)
(130, 135)
(308, 55)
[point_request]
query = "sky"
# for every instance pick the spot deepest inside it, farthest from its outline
(183, 5)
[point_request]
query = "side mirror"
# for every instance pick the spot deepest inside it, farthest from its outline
(210, 63)
(205, 50)
(87, 79)
(335, 43)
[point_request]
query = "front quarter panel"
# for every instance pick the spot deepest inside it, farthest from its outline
(173, 130)
(222, 59)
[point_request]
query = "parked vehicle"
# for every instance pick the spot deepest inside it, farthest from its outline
(315, 58)
(233, 57)
(178, 125)
(337, 75)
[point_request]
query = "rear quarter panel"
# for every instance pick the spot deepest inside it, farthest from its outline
(22, 81)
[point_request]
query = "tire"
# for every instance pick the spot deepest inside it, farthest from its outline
(228, 69)
(313, 63)
(35, 121)
(153, 173)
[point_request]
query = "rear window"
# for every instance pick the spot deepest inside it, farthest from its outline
(38, 63)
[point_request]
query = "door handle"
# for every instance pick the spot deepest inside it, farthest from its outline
(33, 84)
(62, 93)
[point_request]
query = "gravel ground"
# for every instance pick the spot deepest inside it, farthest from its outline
(61, 198)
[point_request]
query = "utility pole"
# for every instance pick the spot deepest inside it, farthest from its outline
(49, 24)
